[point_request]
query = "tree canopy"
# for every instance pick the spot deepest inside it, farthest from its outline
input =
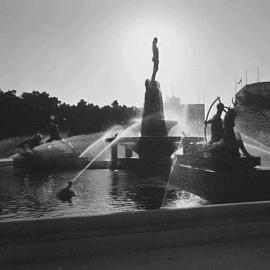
(30, 113)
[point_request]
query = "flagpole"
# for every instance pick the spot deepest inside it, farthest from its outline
(240, 82)
(246, 76)
(203, 97)
(258, 73)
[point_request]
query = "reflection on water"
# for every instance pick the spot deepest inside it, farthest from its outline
(25, 196)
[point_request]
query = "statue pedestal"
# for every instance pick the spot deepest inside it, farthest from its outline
(153, 144)
(153, 123)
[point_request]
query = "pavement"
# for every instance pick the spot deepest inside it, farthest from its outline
(238, 255)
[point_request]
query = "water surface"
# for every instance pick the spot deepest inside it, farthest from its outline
(24, 196)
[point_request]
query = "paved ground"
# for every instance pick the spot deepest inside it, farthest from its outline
(227, 255)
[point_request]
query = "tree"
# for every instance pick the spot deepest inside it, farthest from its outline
(173, 103)
(115, 104)
(30, 112)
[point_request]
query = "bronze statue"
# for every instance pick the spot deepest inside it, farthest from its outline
(216, 124)
(231, 141)
(155, 58)
(52, 130)
(66, 193)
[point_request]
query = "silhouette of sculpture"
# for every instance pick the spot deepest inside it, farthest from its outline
(231, 142)
(53, 130)
(66, 193)
(153, 144)
(217, 124)
(155, 58)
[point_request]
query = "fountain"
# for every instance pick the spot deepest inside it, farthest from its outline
(217, 172)
(154, 147)
(210, 177)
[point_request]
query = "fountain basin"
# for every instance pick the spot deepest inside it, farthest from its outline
(220, 179)
(69, 238)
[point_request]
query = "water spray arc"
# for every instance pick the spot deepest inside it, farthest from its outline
(119, 136)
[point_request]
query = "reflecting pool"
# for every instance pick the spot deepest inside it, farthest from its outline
(25, 196)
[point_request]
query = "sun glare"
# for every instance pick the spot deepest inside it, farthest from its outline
(137, 53)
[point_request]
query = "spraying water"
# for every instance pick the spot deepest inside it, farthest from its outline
(98, 144)
(258, 149)
(69, 144)
(171, 171)
(254, 142)
(122, 134)
(68, 193)
(167, 186)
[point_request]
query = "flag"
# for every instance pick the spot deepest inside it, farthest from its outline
(240, 81)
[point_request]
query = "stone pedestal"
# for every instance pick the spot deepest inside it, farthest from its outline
(153, 123)
(153, 144)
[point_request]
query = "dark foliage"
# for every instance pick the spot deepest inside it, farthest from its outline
(30, 113)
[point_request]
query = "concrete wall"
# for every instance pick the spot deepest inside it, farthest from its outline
(60, 238)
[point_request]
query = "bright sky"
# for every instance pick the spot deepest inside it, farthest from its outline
(101, 50)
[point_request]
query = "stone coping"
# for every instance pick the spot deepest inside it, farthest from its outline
(180, 217)
(6, 162)
(52, 238)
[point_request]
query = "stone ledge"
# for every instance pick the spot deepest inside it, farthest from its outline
(49, 239)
